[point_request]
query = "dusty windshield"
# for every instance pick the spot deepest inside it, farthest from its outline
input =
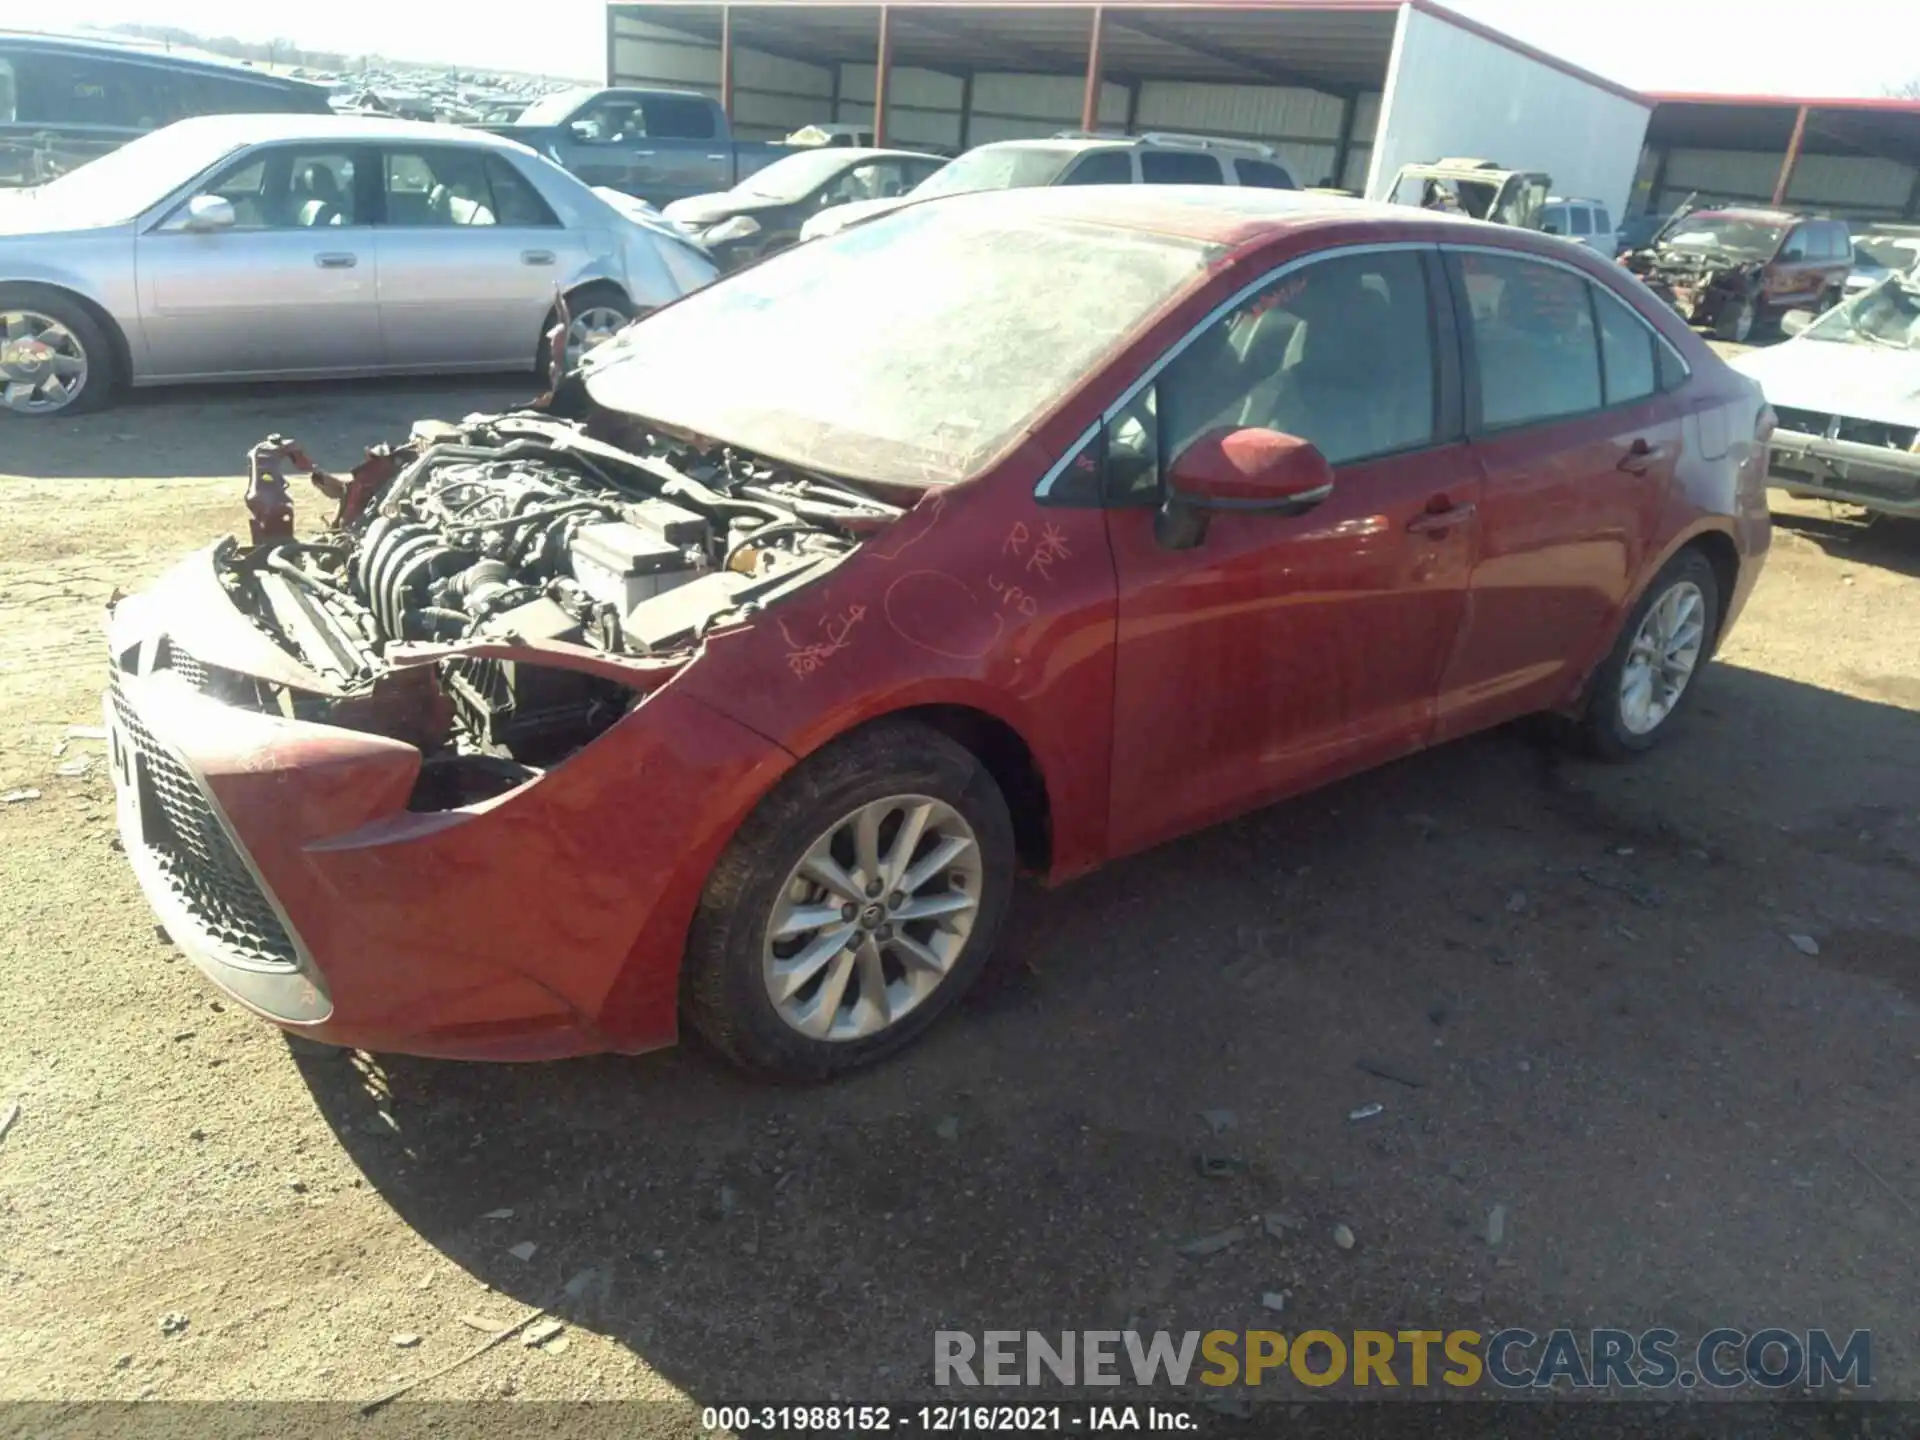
(996, 168)
(1758, 238)
(795, 177)
(914, 349)
(1886, 316)
(1890, 252)
(1472, 198)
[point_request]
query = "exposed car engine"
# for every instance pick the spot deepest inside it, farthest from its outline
(520, 530)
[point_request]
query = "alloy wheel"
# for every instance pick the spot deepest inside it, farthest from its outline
(874, 918)
(1665, 652)
(593, 326)
(43, 365)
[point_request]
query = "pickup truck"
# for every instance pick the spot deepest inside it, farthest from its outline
(661, 145)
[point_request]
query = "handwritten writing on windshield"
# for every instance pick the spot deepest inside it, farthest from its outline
(805, 659)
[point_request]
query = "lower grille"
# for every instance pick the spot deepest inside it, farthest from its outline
(186, 666)
(197, 861)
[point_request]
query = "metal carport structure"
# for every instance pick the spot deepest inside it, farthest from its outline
(1857, 158)
(1320, 80)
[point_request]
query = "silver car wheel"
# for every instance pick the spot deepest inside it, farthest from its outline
(593, 326)
(873, 919)
(43, 365)
(1660, 663)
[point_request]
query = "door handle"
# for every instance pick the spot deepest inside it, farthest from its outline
(716, 157)
(536, 257)
(1432, 522)
(1640, 457)
(644, 154)
(336, 260)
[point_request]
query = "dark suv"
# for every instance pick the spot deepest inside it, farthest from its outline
(1738, 270)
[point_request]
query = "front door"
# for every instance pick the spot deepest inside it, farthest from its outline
(1577, 443)
(1282, 651)
(471, 260)
(288, 290)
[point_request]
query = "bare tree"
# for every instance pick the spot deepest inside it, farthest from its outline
(1906, 89)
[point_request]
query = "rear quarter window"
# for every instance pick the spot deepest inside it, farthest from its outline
(1263, 173)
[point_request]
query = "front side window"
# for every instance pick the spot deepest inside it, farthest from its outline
(1102, 167)
(1796, 246)
(1533, 340)
(67, 90)
(1582, 220)
(1339, 353)
(9, 105)
(287, 189)
(610, 122)
(1176, 167)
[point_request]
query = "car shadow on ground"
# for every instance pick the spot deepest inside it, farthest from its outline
(1886, 541)
(1500, 943)
(201, 430)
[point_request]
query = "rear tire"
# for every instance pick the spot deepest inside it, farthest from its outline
(1654, 668)
(1737, 320)
(66, 344)
(794, 978)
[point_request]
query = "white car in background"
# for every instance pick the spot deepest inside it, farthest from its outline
(1078, 158)
(271, 247)
(1585, 222)
(1846, 390)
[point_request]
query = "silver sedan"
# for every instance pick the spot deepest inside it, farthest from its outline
(267, 247)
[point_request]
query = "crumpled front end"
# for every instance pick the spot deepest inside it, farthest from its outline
(425, 783)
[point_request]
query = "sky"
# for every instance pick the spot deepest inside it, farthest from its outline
(1814, 47)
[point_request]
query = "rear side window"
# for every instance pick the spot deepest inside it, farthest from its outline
(1534, 351)
(1628, 362)
(515, 200)
(676, 117)
(1602, 222)
(1102, 167)
(67, 90)
(1177, 167)
(1263, 173)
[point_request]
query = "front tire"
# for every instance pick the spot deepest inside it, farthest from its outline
(1655, 664)
(1737, 321)
(858, 902)
(54, 357)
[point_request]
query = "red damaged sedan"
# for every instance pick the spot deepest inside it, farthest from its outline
(735, 680)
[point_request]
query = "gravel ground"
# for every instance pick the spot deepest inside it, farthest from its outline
(1587, 970)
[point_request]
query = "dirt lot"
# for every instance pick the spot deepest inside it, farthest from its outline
(1687, 1120)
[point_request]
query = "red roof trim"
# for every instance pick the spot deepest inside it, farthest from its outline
(1886, 105)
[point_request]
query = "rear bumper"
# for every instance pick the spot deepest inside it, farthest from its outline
(281, 857)
(1841, 470)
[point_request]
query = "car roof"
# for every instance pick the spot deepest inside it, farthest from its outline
(1229, 216)
(854, 154)
(364, 129)
(1749, 212)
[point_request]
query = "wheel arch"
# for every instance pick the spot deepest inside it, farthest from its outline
(121, 349)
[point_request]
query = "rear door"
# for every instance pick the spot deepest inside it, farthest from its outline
(1577, 444)
(289, 290)
(1281, 651)
(684, 150)
(471, 260)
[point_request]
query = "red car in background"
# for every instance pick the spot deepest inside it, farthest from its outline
(1016, 530)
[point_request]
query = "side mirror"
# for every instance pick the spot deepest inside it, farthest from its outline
(1795, 322)
(1253, 470)
(581, 131)
(209, 212)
